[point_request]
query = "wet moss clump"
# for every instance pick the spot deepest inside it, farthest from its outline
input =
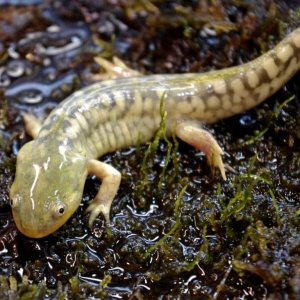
(177, 229)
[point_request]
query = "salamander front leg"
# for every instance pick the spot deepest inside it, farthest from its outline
(32, 125)
(111, 179)
(114, 69)
(192, 133)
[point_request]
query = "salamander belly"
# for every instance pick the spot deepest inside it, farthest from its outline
(118, 135)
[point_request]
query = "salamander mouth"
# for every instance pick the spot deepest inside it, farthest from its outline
(33, 231)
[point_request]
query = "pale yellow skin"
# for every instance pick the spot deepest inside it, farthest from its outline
(52, 169)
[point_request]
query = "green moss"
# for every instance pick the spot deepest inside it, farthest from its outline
(276, 208)
(244, 186)
(203, 252)
(152, 150)
(276, 111)
(75, 289)
(106, 47)
(175, 228)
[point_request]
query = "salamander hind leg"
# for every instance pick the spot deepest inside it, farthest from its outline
(115, 69)
(32, 125)
(111, 179)
(192, 133)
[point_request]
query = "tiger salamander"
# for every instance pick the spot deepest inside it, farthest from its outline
(52, 169)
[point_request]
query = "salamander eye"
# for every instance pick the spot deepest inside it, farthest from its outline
(59, 210)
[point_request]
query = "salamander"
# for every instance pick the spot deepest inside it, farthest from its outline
(103, 117)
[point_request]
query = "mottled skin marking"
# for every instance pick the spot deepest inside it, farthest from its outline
(51, 169)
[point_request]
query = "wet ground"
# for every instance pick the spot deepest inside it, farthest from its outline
(176, 229)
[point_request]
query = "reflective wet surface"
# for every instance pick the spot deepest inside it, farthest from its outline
(182, 234)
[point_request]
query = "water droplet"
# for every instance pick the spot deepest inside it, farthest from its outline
(15, 68)
(4, 79)
(54, 28)
(31, 97)
(247, 120)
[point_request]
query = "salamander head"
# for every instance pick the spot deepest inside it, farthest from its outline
(47, 188)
